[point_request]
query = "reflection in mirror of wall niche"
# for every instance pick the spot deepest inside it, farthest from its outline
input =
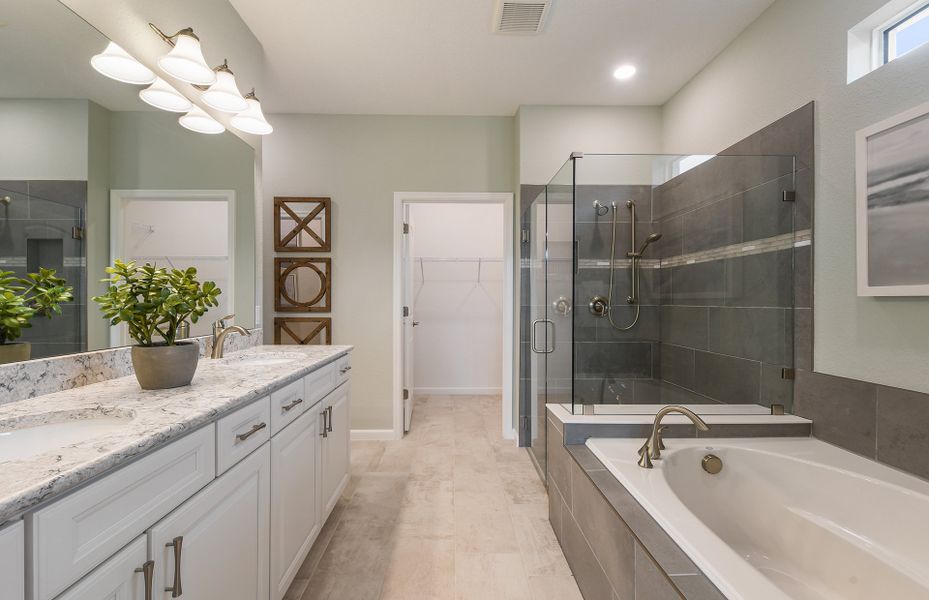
(302, 284)
(302, 224)
(303, 331)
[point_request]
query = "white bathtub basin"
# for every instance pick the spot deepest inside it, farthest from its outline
(48, 432)
(785, 518)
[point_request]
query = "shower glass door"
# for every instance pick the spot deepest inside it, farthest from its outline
(550, 306)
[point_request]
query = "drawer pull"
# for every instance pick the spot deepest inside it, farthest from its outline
(255, 429)
(324, 414)
(345, 369)
(329, 418)
(177, 544)
(289, 406)
(148, 576)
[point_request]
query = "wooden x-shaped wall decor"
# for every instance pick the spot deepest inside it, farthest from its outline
(302, 224)
(303, 331)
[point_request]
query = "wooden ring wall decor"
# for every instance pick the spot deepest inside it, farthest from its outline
(286, 331)
(287, 300)
(303, 237)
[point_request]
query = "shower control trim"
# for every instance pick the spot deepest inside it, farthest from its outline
(599, 306)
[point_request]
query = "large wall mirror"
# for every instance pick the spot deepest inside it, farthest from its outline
(89, 173)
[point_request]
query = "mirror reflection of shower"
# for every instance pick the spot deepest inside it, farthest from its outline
(601, 306)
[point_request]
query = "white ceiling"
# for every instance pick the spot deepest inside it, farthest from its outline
(441, 56)
(45, 52)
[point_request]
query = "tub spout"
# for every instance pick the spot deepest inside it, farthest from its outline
(653, 446)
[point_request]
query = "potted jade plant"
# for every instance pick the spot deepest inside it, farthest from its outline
(21, 299)
(153, 302)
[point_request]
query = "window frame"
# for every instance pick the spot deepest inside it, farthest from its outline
(885, 36)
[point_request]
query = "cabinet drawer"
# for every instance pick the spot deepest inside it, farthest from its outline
(344, 369)
(71, 536)
(12, 546)
(116, 579)
(287, 404)
(242, 432)
(319, 383)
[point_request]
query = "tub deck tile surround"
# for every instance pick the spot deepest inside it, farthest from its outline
(153, 418)
(614, 547)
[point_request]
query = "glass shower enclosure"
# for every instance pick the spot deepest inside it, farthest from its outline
(657, 279)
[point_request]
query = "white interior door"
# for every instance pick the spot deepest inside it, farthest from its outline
(408, 323)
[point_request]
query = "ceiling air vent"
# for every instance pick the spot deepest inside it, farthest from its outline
(520, 16)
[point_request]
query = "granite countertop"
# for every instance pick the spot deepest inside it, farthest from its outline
(151, 419)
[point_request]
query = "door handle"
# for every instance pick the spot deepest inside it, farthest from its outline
(550, 323)
(288, 407)
(177, 589)
(255, 429)
(329, 418)
(532, 340)
(325, 423)
(533, 344)
(148, 576)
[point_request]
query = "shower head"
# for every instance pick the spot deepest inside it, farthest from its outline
(648, 241)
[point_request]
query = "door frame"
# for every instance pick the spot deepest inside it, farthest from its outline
(503, 198)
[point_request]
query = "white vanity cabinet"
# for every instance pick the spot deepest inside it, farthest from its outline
(336, 447)
(12, 562)
(295, 512)
(215, 545)
(227, 512)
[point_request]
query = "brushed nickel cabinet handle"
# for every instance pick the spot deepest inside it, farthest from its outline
(345, 370)
(329, 418)
(325, 423)
(289, 406)
(148, 576)
(177, 589)
(255, 429)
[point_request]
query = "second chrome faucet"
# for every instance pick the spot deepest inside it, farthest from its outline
(653, 446)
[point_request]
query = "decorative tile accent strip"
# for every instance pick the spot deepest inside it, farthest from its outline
(772, 244)
(29, 379)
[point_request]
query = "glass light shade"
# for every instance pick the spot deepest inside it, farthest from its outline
(252, 120)
(161, 95)
(116, 63)
(185, 61)
(197, 120)
(224, 95)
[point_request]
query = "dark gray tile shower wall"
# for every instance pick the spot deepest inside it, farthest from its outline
(36, 231)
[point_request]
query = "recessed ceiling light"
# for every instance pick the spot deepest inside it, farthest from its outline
(624, 72)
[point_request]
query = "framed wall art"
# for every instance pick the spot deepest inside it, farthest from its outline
(892, 189)
(302, 331)
(302, 224)
(302, 284)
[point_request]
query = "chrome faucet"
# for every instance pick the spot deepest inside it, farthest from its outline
(220, 331)
(653, 445)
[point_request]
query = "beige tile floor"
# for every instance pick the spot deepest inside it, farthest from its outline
(451, 511)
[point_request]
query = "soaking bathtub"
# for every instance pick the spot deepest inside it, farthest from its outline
(786, 517)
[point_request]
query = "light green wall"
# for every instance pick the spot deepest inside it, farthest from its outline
(360, 161)
(149, 150)
(796, 52)
(97, 220)
(43, 139)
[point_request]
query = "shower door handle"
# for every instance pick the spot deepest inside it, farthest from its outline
(535, 329)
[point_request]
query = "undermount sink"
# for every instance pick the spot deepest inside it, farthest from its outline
(263, 359)
(24, 437)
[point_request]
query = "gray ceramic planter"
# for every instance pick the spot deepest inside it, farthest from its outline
(163, 367)
(15, 352)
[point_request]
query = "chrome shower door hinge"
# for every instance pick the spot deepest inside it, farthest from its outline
(77, 233)
(406, 394)
(524, 236)
(789, 196)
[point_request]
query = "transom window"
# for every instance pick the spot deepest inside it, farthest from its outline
(906, 33)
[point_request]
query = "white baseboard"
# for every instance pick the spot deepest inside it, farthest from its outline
(457, 391)
(359, 435)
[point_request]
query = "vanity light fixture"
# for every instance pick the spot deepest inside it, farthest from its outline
(161, 95)
(116, 63)
(185, 60)
(252, 119)
(624, 72)
(224, 94)
(198, 120)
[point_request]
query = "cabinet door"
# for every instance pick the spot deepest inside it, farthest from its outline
(12, 561)
(295, 514)
(116, 579)
(336, 447)
(222, 532)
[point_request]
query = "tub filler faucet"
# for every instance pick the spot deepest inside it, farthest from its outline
(653, 445)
